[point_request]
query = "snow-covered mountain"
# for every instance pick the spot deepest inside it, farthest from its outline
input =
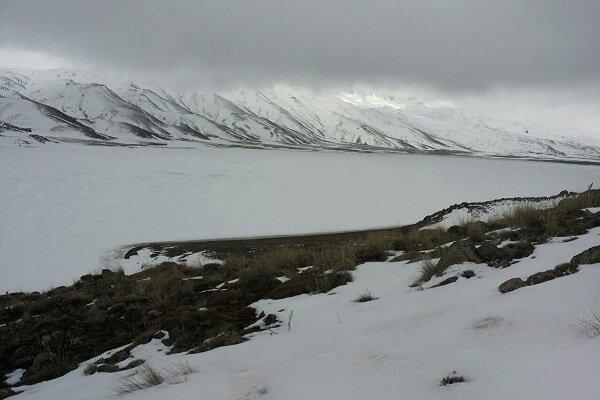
(41, 106)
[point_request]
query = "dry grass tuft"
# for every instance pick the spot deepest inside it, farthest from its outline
(147, 376)
(364, 297)
(522, 216)
(144, 378)
(429, 269)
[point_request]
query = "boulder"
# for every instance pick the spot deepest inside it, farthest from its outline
(499, 263)
(540, 277)
(511, 284)
(589, 256)
(489, 252)
(469, 273)
(518, 250)
(458, 253)
(108, 368)
(446, 281)
(270, 319)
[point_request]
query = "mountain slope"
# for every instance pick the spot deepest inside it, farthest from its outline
(67, 105)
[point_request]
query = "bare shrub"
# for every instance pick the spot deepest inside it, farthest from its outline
(589, 322)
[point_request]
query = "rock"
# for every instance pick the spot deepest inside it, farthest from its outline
(589, 256)
(270, 319)
(108, 368)
(7, 392)
(489, 252)
(540, 277)
(469, 273)
(446, 281)
(89, 278)
(117, 357)
(458, 253)
(133, 364)
(39, 360)
(154, 313)
(107, 272)
(457, 230)
(451, 379)
(518, 250)
(511, 284)
(90, 369)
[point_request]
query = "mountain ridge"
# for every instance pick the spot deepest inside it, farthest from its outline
(64, 106)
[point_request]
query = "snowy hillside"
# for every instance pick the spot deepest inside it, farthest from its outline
(510, 311)
(42, 106)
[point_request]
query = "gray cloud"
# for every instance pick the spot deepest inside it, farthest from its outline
(455, 46)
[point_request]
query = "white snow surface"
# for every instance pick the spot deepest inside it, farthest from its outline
(15, 377)
(65, 208)
(524, 344)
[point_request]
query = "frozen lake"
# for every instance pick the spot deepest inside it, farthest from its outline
(64, 207)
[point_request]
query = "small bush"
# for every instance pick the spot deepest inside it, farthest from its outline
(236, 260)
(337, 257)
(523, 216)
(476, 231)
(323, 283)
(373, 248)
(364, 297)
(423, 239)
(284, 259)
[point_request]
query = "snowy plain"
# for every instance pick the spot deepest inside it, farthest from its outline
(65, 208)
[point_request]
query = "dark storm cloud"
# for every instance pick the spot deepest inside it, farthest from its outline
(453, 45)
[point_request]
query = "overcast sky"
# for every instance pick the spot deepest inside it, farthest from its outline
(537, 59)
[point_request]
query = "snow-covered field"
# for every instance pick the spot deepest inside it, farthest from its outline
(64, 207)
(520, 345)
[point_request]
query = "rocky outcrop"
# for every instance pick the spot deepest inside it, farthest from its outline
(539, 277)
(589, 256)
